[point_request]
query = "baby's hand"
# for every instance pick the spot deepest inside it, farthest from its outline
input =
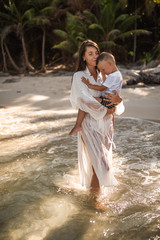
(84, 80)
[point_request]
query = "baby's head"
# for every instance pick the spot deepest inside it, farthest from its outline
(106, 63)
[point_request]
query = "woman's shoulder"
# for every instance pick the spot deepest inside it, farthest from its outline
(78, 73)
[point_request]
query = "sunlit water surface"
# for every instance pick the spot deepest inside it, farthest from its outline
(41, 197)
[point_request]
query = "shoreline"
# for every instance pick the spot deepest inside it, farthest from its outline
(51, 93)
(136, 118)
(35, 107)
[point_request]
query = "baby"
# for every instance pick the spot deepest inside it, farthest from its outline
(107, 66)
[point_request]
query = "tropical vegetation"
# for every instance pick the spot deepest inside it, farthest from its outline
(39, 33)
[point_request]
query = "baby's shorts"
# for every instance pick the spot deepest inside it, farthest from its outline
(105, 103)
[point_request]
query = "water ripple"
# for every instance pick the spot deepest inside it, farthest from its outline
(41, 197)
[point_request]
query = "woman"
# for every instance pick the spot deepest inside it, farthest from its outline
(96, 138)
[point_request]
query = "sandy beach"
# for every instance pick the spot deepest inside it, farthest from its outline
(50, 93)
(32, 105)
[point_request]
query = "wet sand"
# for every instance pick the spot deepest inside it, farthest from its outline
(143, 103)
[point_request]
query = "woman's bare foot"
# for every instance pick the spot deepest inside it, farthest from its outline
(97, 202)
(75, 130)
(100, 205)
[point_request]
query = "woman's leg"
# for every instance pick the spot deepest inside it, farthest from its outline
(95, 188)
(98, 204)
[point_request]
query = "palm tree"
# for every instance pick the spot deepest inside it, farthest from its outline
(112, 27)
(4, 47)
(149, 20)
(42, 12)
(15, 20)
(74, 34)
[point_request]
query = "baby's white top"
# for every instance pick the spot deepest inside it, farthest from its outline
(113, 82)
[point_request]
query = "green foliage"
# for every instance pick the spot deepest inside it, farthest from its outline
(90, 17)
(74, 34)
(106, 44)
(131, 33)
(62, 34)
(96, 27)
(64, 45)
(147, 58)
(131, 53)
(128, 23)
(110, 26)
(63, 25)
(154, 54)
(14, 15)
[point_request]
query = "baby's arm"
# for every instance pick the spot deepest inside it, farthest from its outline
(92, 86)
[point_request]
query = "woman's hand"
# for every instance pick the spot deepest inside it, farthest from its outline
(113, 99)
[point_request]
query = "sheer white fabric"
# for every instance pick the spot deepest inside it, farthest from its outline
(96, 138)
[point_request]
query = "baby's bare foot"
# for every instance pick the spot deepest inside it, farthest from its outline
(75, 130)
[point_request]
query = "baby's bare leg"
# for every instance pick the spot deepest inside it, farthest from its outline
(78, 127)
(98, 99)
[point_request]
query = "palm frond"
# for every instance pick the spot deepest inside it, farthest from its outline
(60, 33)
(13, 9)
(47, 10)
(95, 27)
(113, 34)
(70, 16)
(44, 21)
(90, 16)
(74, 25)
(107, 17)
(28, 14)
(80, 38)
(107, 44)
(65, 46)
(7, 17)
(128, 23)
(121, 18)
(131, 33)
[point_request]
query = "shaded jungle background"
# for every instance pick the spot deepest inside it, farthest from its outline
(37, 35)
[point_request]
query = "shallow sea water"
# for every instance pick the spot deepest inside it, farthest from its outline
(41, 197)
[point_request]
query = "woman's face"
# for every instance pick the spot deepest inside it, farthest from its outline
(90, 56)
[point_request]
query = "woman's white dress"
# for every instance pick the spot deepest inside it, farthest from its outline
(96, 138)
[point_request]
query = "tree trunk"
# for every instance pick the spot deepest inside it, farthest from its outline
(135, 43)
(4, 58)
(135, 36)
(12, 61)
(28, 64)
(43, 49)
(147, 76)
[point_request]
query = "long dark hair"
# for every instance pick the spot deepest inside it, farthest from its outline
(81, 64)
